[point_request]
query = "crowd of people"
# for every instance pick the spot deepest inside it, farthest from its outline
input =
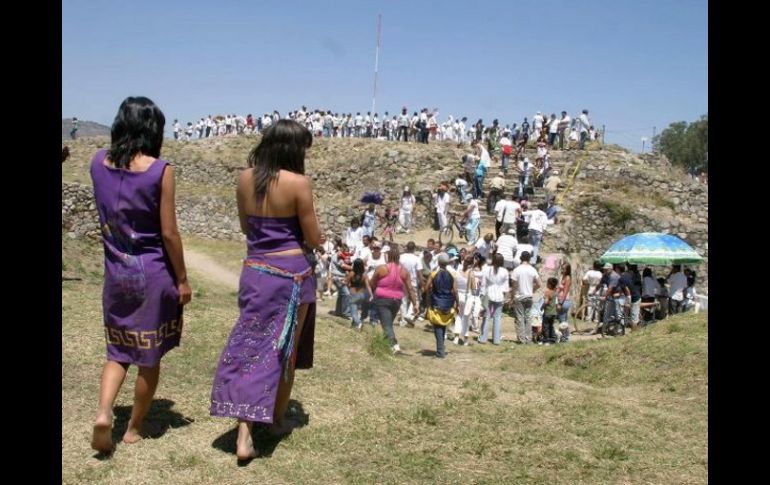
(421, 127)
(466, 289)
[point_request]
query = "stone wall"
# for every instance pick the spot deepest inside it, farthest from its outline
(612, 200)
(208, 217)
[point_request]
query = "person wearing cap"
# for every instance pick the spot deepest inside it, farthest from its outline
(443, 304)
(552, 184)
(525, 282)
(405, 210)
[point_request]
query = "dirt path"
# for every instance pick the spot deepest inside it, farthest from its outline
(214, 271)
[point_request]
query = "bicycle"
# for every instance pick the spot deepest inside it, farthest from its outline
(446, 234)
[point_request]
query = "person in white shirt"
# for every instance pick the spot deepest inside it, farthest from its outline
(405, 211)
(525, 282)
(591, 288)
(509, 213)
(484, 246)
(495, 286)
(553, 130)
(521, 248)
(461, 185)
(677, 283)
(363, 252)
(525, 170)
(359, 125)
(537, 222)
(354, 235)
(584, 125)
(177, 129)
(413, 265)
(474, 218)
(442, 206)
(537, 123)
(506, 246)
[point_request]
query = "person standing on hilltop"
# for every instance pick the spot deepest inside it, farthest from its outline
(584, 125)
(74, 130)
(274, 332)
(145, 278)
(564, 124)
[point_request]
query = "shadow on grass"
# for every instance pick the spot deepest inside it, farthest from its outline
(159, 419)
(264, 442)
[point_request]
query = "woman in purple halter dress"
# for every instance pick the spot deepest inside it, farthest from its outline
(145, 280)
(273, 334)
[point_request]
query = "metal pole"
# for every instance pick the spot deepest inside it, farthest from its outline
(603, 131)
(376, 62)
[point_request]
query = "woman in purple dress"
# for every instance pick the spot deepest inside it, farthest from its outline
(145, 280)
(277, 289)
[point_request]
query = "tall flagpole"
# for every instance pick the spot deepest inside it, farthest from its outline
(376, 61)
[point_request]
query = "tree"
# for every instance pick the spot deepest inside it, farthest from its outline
(686, 145)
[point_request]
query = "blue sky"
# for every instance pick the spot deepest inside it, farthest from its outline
(632, 64)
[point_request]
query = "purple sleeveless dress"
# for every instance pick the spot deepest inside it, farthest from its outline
(142, 315)
(259, 349)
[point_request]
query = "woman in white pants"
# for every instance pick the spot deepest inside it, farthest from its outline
(466, 284)
(405, 211)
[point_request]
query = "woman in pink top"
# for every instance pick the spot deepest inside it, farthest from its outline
(390, 280)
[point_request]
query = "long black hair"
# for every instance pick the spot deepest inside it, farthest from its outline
(283, 146)
(137, 129)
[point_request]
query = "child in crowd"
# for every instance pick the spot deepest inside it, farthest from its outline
(390, 218)
(550, 304)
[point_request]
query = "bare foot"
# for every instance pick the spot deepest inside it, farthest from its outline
(244, 447)
(134, 434)
(102, 438)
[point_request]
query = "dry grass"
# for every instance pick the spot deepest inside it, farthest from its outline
(624, 410)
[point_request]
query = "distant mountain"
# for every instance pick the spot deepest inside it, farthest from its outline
(85, 129)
